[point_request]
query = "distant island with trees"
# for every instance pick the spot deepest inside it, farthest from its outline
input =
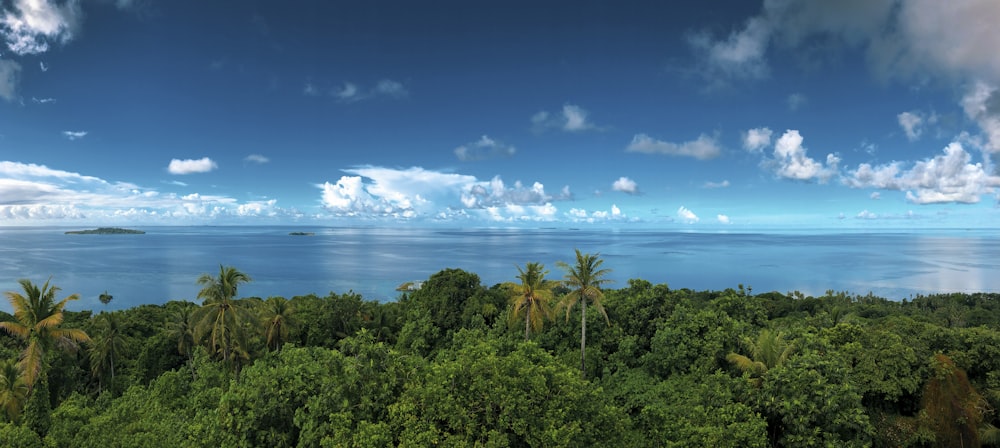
(106, 231)
(301, 233)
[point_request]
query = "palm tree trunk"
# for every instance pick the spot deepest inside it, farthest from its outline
(583, 336)
(527, 321)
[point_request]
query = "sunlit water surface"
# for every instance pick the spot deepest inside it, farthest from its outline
(164, 263)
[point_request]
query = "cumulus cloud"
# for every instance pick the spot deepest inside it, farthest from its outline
(414, 193)
(755, 140)
(74, 135)
(625, 185)
(865, 214)
(740, 55)
(791, 162)
(950, 177)
(723, 219)
(572, 118)
(615, 214)
(256, 158)
(483, 149)
(911, 123)
(982, 104)
(686, 215)
(32, 24)
(722, 184)
(704, 148)
(29, 193)
(875, 196)
(10, 72)
(191, 166)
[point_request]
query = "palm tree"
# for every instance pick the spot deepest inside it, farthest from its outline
(13, 389)
(768, 351)
(277, 314)
(107, 344)
(221, 319)
(181, 326)
(37, 322)
(584, 280)
(533, 295)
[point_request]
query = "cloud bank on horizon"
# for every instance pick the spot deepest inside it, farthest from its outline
(792, 113)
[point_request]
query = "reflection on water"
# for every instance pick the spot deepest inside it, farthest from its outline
(164, 263)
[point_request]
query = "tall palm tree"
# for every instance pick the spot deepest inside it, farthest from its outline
(533, 296)
(584, 280)
(221, 319)
(38, 319)
(181, 327)
(278, 316)
(13, 389)
(107, 344)
(768, 351)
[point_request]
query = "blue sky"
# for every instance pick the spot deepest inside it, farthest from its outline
(647, 114)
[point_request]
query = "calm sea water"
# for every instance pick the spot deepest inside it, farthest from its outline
(164, 263)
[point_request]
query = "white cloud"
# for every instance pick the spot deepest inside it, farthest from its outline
(385, 88)
(625, 185)
(483, 149)
(191, 166)
(615, 214)
(723, 184)
(723, 219)
(703, 148)
(29, 193)
(32, 24)
(686, 215)
(391, 88)
(43, 100)
(256, 158)
(945, 178)
(740, 55)
(10, 72)
(865, 214)
(982, 104)
(911, 123)
(791, 161)
(572, 118)
(310, 89)
(495, 192)
(875, 196)
(43, 67)
(74, 135)
(755, 140)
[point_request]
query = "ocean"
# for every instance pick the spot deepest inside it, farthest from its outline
(164, 263)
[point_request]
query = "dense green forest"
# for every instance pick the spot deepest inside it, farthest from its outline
(549, 359)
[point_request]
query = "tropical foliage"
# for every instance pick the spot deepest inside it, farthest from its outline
(448, 364)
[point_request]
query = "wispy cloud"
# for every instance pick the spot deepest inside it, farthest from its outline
(256, 158)
(723, 184)
(191, 166)
(74, 135)
(43, 100)
(10, 74)
(349, 92)
(483, 149)
(43, 67)
(704, 148)
(755, 140)
(571, 118)
(911, 123)
(796, 101)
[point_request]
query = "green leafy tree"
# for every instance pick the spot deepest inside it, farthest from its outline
(13, 389)
(584, 278)
(278, 316)
(105, 298)
(38, 322)
(221, 319)
(532, 297)
(107, 345)
(767, 351)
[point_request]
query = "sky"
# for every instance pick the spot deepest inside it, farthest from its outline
(681, 115)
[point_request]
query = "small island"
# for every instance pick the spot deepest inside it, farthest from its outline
(301, 233)
(106, 231)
